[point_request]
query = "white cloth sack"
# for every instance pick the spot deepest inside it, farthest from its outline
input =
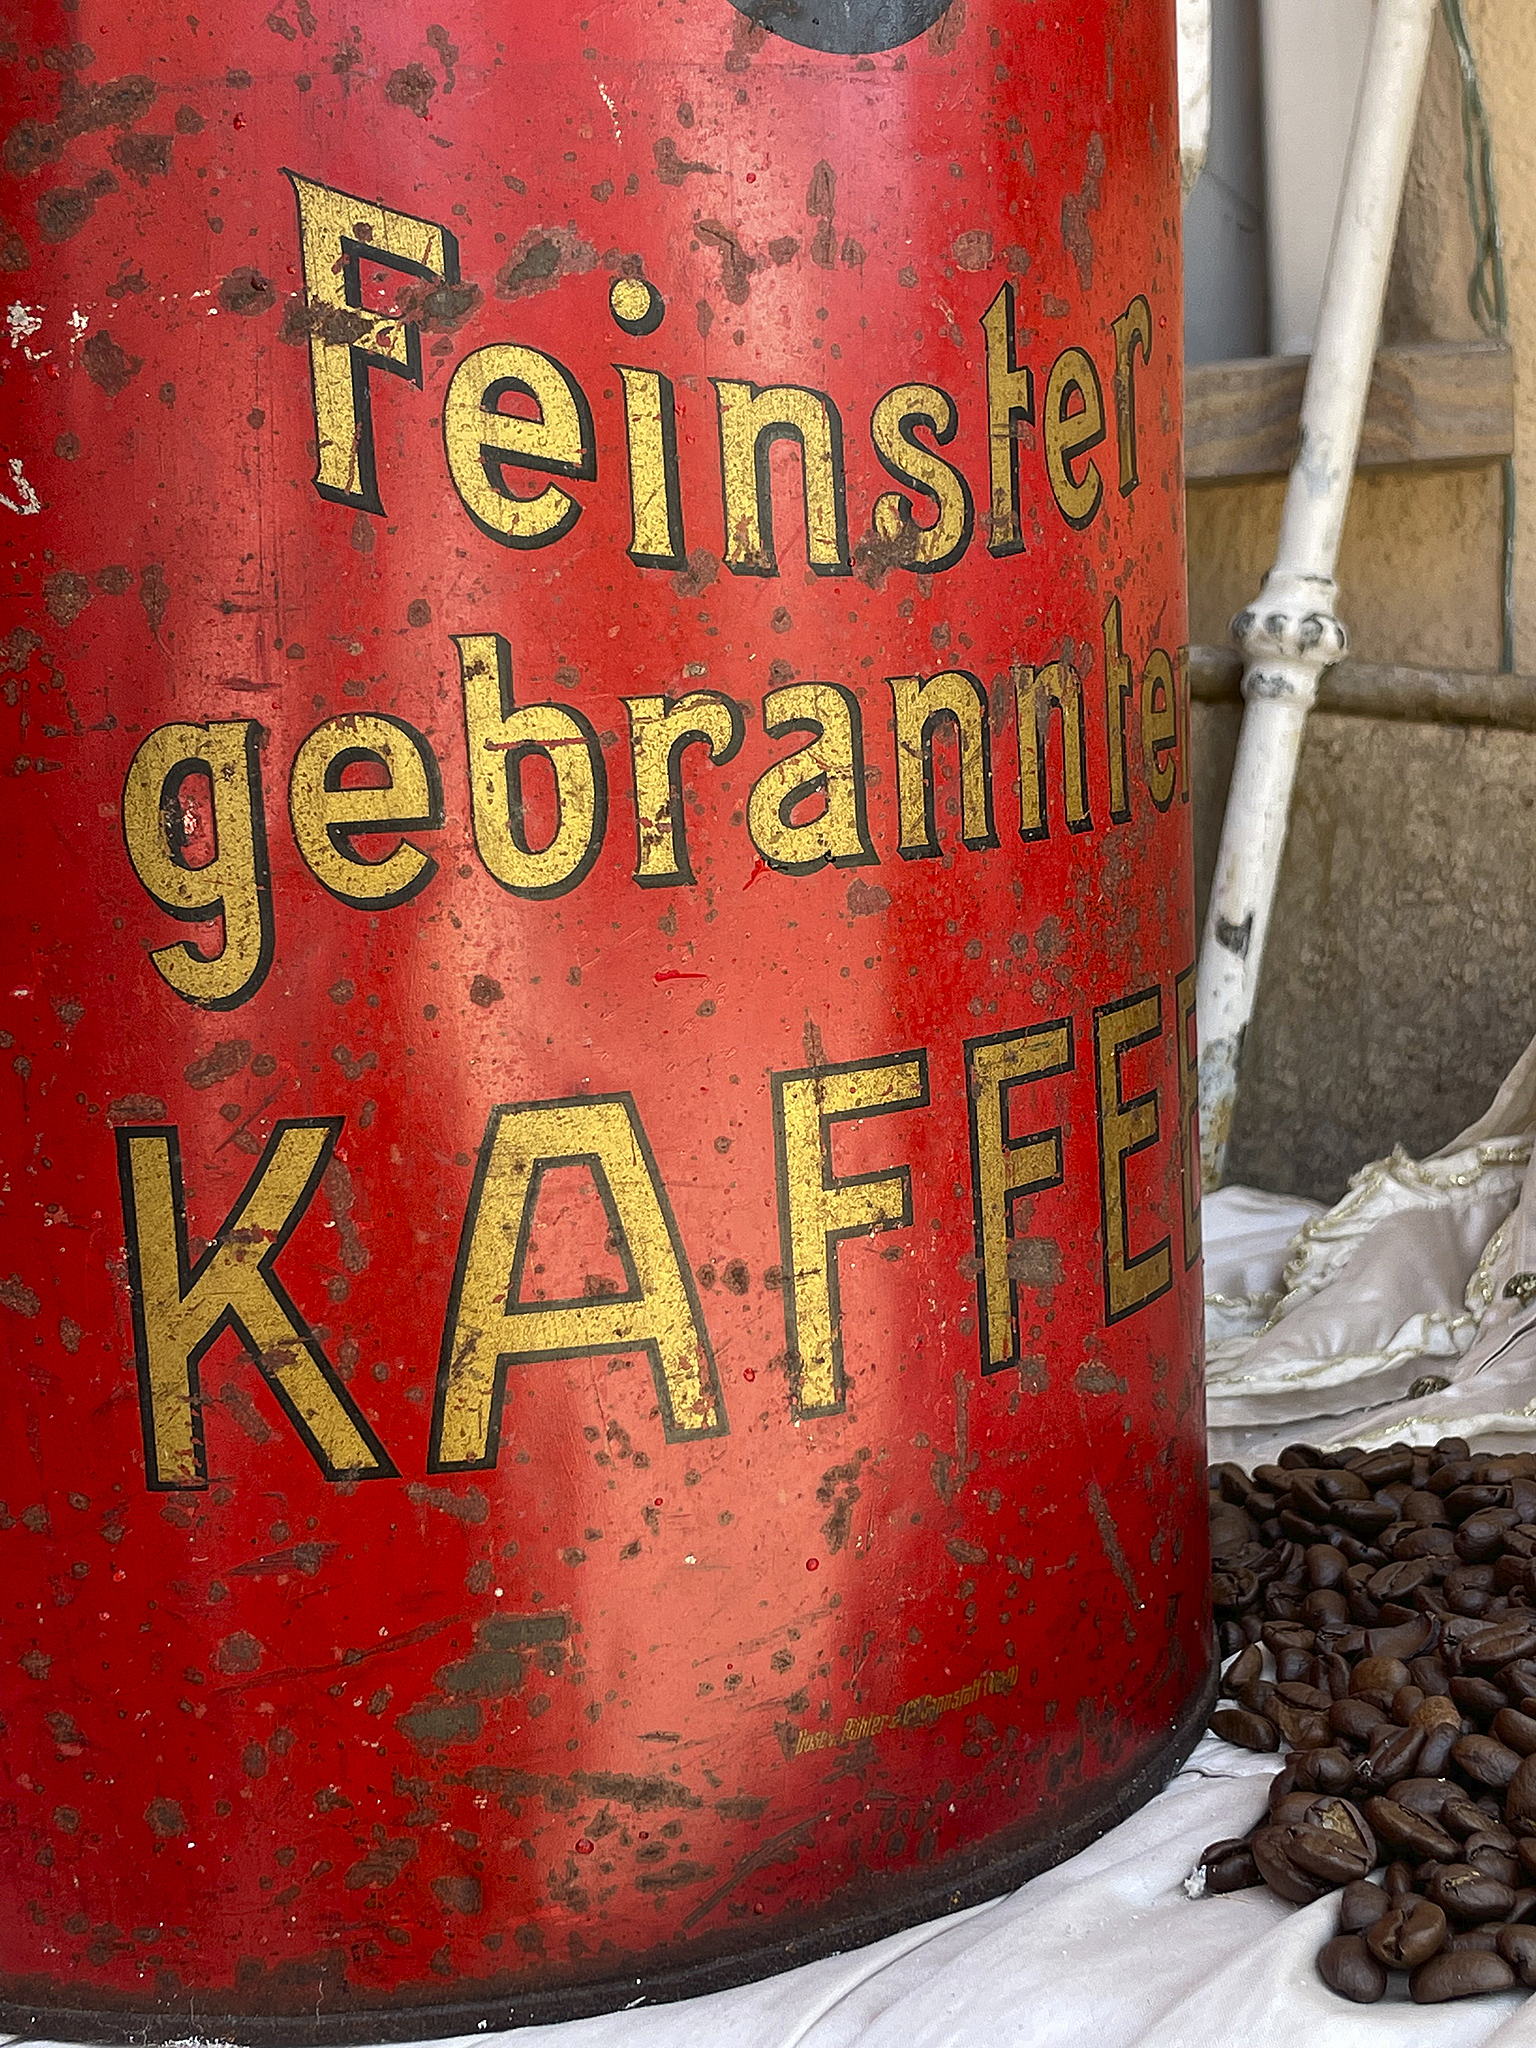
(1387, 1316)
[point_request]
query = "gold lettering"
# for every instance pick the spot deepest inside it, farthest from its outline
(655, 502)
(1159, 728)
(482, 442)
(817, 1209)
(1133, 331)
(1126, 1127)
(955, 694)
(328, 815)
(1004, 1168)
(1040, 694)
(660, 730)
(162, 813)
(751, 421)
(489, 1328)
(338, 235)
(1187, 1052)
(1070, 432)
(926, 549)
(1118, 691)
(502, 736)
(1010, 416)
(830, 765)
(180, 1309)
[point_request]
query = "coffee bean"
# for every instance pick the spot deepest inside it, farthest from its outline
(1284, 1878)
(1431, 1674)
(1492, 1861)
(1393, 1754)
(1397, 1580)
(1325, 1770)
(1404, 1639)
(1479, 1697)
(1358, 1719)
(1439, 1743)
(1520, 1798)
(1248, 1731)
(1464, 1975)
(1246, 1666)
(1426, 1795)
(1473, 1941)
(1486, 1761)
(1407, 1934)
(1302, 1729)
(1361, 1905)
(1381, 1468)
(1347, 1966)
(1403, 1829)
(1384, 1675)
(1499, 1644)
(1229, 1867)
(1517, 1945)
(1325, 1566)
(1465, 1894)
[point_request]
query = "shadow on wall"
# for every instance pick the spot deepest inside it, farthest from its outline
(1398, 985)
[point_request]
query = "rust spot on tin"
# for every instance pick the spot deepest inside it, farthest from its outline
(436, 306)
(944, 36)
(143, 156)
(542, 257)
(973, 249)
(459, 1894)
(874, 557)
(243, 1412)
(964, 1552)
(342, 325)
(70, 1334)
(447, 54)
(238, 1654)
(469, 1506)
(166, 1817)
(866, 899)
(1109, 1536)
(1097, 1379)
(430, 1727)
(66, 595)
(1036, 1261)
(747, 38)
(821, 204)
(736, 266)
(336, 1183)
(188, 121)
(224, 1060)
(411, 86)
(108, 365)
(498, 1664)
(382, 1865)
(485, 990)
(671, 168)
(63, 212)
(18, 1297)
(702, 570)
(247, 291)
(1076, 235)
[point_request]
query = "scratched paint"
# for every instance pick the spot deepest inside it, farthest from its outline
(601, 1258)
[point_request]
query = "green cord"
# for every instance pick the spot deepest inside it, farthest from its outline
(1487, 290)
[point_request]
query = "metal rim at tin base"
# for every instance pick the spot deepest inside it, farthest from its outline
(971, 1883)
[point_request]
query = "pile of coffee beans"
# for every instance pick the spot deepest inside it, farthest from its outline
(1379, 1609)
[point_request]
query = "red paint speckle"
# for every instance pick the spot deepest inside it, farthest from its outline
(584, 1847)
(750, 1373)
(677, 974)
(657, 1501)
(813, 1564)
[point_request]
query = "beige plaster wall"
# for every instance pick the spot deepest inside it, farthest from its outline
(1504, 37)
(1400, 979)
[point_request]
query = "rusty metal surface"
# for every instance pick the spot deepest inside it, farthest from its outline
(601, 1266)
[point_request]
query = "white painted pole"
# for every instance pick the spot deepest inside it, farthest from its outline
(1291, 632)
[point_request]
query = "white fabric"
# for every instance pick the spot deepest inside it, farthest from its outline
(1320, 1323)
(1385, 1317)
